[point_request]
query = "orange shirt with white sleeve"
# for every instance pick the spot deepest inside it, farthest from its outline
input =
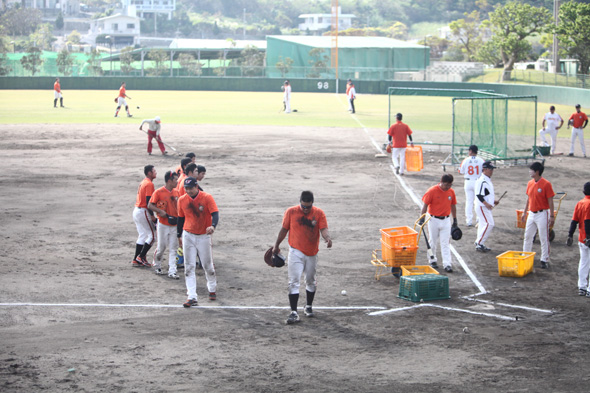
(304, 229)
(539, 193)
(439, 202)
(399, 131)
(166, 200)
(197, 212)
(146, 189)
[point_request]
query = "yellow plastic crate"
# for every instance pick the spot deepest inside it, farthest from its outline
(417, 270)
(515, 263)
(399, 236)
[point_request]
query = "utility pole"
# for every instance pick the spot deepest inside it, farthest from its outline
(244, 17)
(556, 65)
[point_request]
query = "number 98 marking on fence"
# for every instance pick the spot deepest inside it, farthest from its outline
(323, 85)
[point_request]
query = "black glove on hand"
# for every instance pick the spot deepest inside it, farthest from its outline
(454, 222)
(569, 241)
(421, 221)
(587, 242)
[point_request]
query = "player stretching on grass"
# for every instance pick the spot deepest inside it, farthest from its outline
(304, 223)
(121, 101)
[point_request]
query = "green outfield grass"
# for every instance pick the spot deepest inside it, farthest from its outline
(214, 107)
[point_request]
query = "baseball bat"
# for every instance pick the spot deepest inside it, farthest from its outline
(165, 144)
(428, 248)
(505, 192)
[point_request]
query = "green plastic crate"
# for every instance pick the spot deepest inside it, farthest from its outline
(424, 287)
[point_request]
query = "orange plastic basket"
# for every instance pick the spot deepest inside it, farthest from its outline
(414, 159)
(398, 256)
(519, 223)
(399, 236)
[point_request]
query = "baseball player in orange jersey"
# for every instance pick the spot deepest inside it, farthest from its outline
(470, 169)
(539, 203)
(57, 94)
(189, 171)
(197, 218)
(143, 217)
(163, 203)
(121, 101)
(579, 121)
(304, 223)
(190, 157)
(582, 216)
(398, 134)
(440, 202)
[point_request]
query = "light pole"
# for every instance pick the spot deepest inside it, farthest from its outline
(13, 45)
(108, 37)
(425, 49)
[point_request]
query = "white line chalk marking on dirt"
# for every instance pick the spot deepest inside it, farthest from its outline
(509, 305)
(485, 314)
(351, 308)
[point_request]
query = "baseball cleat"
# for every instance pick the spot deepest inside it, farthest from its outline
(158, 271)
(582, 292)
(129, 115)
(482, 248)
(397, 171)
(544, 265)
(308, 312)
(212, 296)
(173, 276)
(293, 318)
(434, 265)
(190, 303)
(448, 269)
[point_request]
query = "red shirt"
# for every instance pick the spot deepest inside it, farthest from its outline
(539, 193)
(146, 189)
(399, 131)
(439, 202)
(579, 119)
(57, 87)
(304, 229)
(197, 212)
(581, 214)
(122, 92)
(165, 200)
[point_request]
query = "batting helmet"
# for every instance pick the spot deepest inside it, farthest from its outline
(456, 233)
(273, 260)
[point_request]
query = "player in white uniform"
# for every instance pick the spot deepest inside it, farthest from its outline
(551, 123)
(351, 95)
(287, 96)
(471, 169)
(484, 203)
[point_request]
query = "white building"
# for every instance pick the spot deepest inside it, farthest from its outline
(153, 6)
(123, 29)
(67, 7)
(319, 22)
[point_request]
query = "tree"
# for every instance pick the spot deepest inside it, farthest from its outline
(74, 38)
(438, 46)
(64, 62)
(251, 60)
(95, 63)
(468, 34)
(32, 61)
(511, 24)
(42, 37)
(159, 57)
(126, 59)
(489, 53)
(59, 21)
(20, 21)
(284, 65)
(318, 62)
(4, 67)
(188, 62)
(398, 31)
(573, 32)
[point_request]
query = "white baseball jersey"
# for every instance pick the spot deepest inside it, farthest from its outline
(152, 125)
(485, 188)
(552, 120)
(351, 93)
(471, 167)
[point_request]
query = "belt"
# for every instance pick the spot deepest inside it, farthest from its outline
(440, 217)
(539, 211)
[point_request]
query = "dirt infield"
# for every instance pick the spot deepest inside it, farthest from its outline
(88, 321)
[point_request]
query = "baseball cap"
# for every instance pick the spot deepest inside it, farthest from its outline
(350, 80)
(158, 119)
(190, 182)
(578, 106)
(488, 165)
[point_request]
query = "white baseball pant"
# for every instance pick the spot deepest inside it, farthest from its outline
(469, 188)
(486, 223)
(553, 134)
(440, 231)
(584, 267)
(193, 245)
(122, 101)
(145, 228)
(166, 240)
(56, 94)
(299, 264)
(537, 221)
(578, 133)
(398, 156)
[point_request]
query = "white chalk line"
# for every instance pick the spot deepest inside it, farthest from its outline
(476, 282)
(485, 314)
(99, 305)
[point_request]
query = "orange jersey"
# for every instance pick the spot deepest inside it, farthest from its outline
(439, 202)
(180, 185)
(197, 212)
(165, 200)
(178, 170)
(579, 119)
(122, 92)
(581, 214)
(304, 229)
(348, 89)
(399, 131)
(57, 87)
(146, 189)
(539, 194)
